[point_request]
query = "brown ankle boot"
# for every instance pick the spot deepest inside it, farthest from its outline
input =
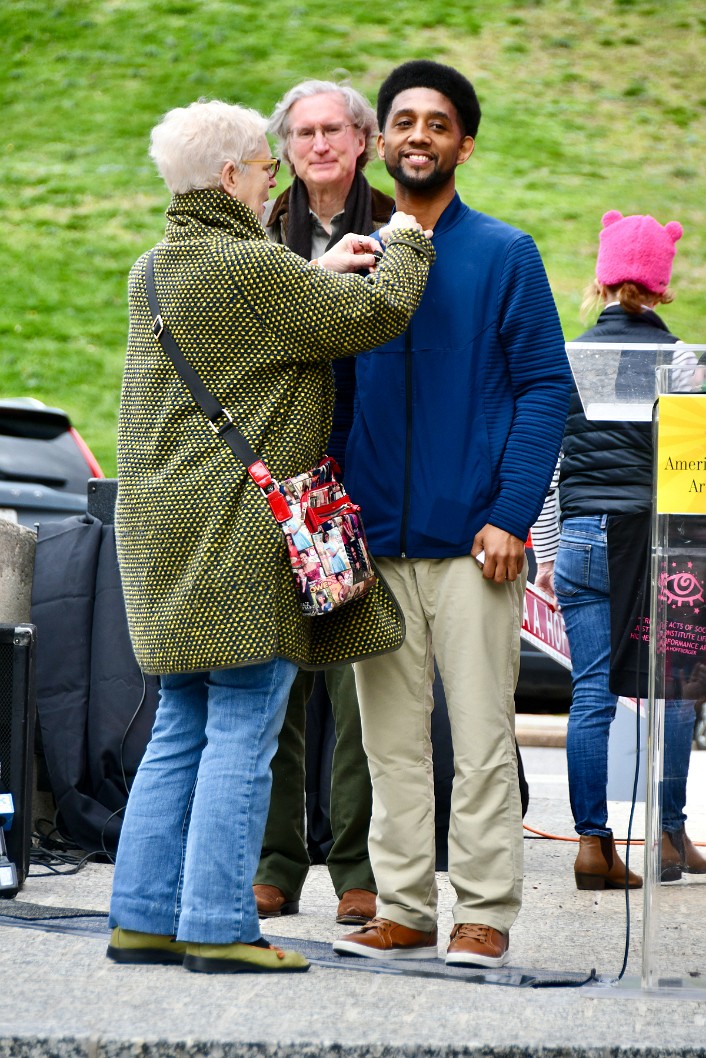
(679, 854)
(598, 865)
(693, 862)
(670, 866)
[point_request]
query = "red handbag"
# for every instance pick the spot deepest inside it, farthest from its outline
(325, 539)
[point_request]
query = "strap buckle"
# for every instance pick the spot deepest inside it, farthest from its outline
(261, 476)
(224, 426)
(157, 326)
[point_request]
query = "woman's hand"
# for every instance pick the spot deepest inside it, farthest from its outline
(544, 580)
(351, 254)
(402, 220)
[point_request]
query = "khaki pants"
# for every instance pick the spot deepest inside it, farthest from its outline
(472, 627)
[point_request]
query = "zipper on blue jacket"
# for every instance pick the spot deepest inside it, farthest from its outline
(408, 439)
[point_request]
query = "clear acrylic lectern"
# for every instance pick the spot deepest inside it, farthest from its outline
(666, 384)
(674, 927)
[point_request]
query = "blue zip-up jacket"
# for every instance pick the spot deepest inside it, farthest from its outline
(459, 421)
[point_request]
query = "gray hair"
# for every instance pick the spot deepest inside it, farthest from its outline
(360, 112)
(191, 144)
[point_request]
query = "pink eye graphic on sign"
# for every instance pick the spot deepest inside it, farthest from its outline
(681, 628)
(680, 587)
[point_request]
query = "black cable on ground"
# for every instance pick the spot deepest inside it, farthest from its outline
(638, 699)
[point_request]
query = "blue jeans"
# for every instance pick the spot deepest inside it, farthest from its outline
(582, 587)
(679, 718)
(190, 842)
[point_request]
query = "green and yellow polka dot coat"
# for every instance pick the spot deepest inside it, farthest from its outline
(205, 574)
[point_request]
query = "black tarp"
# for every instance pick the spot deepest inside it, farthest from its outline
(94, 706)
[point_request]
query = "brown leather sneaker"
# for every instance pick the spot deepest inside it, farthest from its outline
(356, 907)
(472, 944)
(383, 939)
(271, 902)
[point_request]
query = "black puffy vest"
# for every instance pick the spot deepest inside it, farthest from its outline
(607, 466)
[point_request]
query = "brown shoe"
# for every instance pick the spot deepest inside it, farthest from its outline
(670, 867)
(598, 865)
(271, 902)
(474, 945)
(356, 907)
(692, 860)
(383, 939)
(679, 854)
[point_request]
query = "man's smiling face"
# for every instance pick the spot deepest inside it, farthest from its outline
(423, 141)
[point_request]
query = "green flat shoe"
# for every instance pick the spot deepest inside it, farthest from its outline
(242, 958)
(129, 946)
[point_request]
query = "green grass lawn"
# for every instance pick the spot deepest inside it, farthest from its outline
(586, 107)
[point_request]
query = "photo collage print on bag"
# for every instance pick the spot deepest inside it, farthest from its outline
(326, 541)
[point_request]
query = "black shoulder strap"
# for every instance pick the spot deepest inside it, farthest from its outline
(209, 404)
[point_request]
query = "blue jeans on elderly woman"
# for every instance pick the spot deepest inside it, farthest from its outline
(190, 842)
(582, 587)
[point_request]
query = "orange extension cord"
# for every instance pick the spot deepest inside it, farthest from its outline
(618, 841)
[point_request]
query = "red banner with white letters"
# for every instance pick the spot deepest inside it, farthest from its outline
(543, 626)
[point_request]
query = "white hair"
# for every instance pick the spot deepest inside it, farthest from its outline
(360, 113)
(191, 144)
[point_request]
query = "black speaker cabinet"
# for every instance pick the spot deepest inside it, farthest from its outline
(18, 707)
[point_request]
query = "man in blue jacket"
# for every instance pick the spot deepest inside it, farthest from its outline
(456, 434)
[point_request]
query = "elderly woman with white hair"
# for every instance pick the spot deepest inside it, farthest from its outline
(211, 602)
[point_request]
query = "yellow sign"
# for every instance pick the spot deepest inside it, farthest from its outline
(681, 454)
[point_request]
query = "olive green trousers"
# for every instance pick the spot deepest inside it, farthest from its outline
(284, 860)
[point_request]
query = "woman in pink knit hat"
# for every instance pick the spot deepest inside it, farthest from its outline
(605, 490)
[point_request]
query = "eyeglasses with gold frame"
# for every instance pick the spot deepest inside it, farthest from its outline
(272, 164)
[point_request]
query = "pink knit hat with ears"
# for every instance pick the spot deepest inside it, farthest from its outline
(636, 249)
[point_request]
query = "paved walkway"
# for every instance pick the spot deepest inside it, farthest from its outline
(60, 996)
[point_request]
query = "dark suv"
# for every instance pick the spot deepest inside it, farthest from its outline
(44, 463)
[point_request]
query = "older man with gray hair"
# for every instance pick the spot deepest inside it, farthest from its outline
(326, 132)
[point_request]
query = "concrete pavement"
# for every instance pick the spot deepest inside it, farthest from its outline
(537, 729)
(61, 997)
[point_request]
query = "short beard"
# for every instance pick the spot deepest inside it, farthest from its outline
(429, 182)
